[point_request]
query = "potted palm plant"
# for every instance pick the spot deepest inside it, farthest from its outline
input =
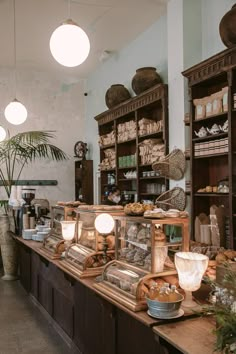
(17, 152)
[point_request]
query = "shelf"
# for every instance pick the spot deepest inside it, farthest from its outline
(155, 177)
(212, 155)
(127, 179)
(110, 170)
(146, 165)
(174, 244)
(107, 146)
(156, 134)
(211, 194)
(206, 119)
(126, 141)
(125, 168)
(156, 194)
(37, 182)
(210, 137)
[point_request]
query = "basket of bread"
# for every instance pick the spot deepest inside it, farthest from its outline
(137, 209)
(217, 256)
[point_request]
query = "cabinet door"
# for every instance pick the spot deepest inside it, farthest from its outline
(35, 268)
(25, 268)
(133, 337)
(94, 322)
(44, 285)
(63, 301)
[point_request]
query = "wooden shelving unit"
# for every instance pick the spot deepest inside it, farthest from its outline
(205, 79)
(153, 105)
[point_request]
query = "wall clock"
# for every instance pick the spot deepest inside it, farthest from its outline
(80, 149)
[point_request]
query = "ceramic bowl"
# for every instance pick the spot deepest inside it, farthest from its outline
(28, 233)
(34, 237)
(41, 227)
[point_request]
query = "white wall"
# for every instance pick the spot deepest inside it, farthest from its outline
(212, 13)
(52, 104)
(149, 49)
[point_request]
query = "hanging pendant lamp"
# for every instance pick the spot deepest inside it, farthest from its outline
(69, 44)
(3, 133)
(15, 112)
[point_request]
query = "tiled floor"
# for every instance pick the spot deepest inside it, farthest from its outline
(23, 329)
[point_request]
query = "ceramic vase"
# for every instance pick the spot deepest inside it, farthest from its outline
(116, 94)
(227, 28)
(144, 79)
(8, 249)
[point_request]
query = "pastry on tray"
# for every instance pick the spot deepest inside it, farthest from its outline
(155, 213)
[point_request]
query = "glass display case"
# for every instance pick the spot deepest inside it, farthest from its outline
(143, 250)
(86, 258)
(54, 245)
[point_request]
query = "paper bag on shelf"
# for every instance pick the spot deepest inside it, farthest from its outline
(217, 217)
(201, 219)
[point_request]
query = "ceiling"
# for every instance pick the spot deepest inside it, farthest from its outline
(110, 25)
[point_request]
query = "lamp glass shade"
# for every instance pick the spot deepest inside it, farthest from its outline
(69, 44)
(3, 133)
(104, 223)
(15, 112)
(191, 268)
(68, 230)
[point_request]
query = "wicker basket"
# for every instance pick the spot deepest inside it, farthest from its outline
(171, 166)
(173, 199)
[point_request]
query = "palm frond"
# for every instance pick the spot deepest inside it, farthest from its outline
(23, 148)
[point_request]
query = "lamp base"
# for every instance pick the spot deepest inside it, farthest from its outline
(188, 301)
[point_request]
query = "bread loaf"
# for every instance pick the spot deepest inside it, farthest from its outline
(171, 279)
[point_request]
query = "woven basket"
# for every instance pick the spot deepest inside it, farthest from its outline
(171, 166)
(173, 199)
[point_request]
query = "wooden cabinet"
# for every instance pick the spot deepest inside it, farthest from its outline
(212, 88)
(134, 337)
(84, 181)
(94, 322)
(87, 321)
(132, 135)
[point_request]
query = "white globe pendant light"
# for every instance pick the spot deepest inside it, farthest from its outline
(15, 112)
(3, 133)
(69, 44)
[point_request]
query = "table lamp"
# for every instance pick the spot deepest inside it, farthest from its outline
(104, 224)
(80, 225)
(68, 231)
(190, 267)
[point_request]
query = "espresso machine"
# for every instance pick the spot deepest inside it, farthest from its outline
(26, 217)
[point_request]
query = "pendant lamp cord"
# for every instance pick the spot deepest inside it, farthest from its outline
(14, 16)
(68, 9)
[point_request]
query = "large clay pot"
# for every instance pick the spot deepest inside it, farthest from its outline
(144, 79)
(8, 249)
(228, 28)
(116, 94)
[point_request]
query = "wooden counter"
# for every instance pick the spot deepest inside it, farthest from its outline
(79, 308)
(193, 336)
